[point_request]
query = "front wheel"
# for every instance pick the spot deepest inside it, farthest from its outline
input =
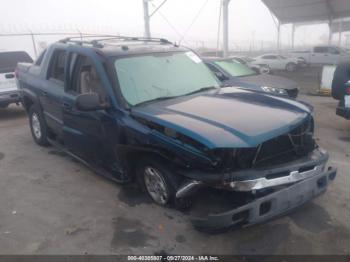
(159, 184)
(38, 126)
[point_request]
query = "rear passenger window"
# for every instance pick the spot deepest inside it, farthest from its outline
(85, 79)
(58, 63)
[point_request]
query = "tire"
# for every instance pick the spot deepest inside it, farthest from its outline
(156, 180)
(290, 67)
(264, 70)
(38, 126)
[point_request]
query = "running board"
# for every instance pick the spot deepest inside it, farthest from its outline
(98, 170)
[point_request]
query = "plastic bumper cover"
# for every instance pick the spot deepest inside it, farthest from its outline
(343, 112)
(270, 206)
(10, 97)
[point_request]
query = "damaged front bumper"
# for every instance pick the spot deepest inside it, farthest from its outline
(252, 180)
(269, 206)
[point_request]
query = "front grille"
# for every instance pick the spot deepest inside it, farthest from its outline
(285, 148)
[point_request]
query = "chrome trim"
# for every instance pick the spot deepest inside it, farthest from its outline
(260, 183)
(188, 188)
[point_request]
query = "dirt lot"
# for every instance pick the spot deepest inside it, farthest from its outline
(50, 204)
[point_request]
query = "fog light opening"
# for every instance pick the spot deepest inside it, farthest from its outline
(241, 216)
(322, 182)
(265, 208)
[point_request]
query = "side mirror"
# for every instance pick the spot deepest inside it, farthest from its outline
(89, 102)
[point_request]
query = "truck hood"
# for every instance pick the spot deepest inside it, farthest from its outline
(270, 81)
(226, 118)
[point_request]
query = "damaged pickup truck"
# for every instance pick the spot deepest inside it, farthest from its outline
(146, 110)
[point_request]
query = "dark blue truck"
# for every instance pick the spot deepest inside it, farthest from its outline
(146, 110)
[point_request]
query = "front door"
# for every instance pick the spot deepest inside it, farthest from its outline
(85, 133)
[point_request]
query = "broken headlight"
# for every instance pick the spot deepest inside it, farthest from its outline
(274, 90)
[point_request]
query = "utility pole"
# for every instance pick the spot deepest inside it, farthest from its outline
(340, 32)
(146, 17)
(278, 36)
(293, 35)
(330, 36)
(225, 16)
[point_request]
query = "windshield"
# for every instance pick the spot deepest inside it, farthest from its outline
(149, 77)
(235, 68)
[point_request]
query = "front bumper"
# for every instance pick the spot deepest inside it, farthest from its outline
(293, 93)
(270, 206)
(343, 112)
(10, 97)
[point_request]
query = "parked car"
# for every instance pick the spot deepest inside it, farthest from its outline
(8, 89)
(151, 111)
(233, 73)
(322, 55)
(277, 62)
(341, 89)
(259, 68)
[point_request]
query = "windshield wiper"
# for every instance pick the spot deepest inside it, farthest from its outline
(156, 99)
(202, 90)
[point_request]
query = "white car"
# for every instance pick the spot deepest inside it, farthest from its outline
(277, 62)
(9, 92)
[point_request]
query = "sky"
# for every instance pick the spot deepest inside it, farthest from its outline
(251, 23)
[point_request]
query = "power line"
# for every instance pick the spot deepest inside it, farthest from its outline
(219, 27)
(194, 20)
(168, 22)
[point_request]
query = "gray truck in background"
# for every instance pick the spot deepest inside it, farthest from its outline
(321, 55)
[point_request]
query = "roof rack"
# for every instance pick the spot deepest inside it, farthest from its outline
(101, 38)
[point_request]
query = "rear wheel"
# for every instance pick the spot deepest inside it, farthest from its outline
(38, 126)
(290, 67)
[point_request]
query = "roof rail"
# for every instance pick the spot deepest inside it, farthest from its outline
(96, 42)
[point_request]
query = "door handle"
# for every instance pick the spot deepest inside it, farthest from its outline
(66, 107)
(44, 93)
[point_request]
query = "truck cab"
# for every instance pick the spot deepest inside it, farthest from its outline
(325, 55)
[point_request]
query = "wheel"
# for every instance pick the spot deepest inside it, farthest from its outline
(290, 67)
(264, 70)
(38, 126)
(159, 184)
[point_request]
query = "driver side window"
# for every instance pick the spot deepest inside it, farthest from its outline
(86, 79)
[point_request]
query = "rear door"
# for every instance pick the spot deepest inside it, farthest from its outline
(52, 90)
(8, 63)
(320, 55)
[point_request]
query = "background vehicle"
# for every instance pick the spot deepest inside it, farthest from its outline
(145, 109)
(233, 73)
(341, 89)
(277, 62)
(8, 89)
(259, 68)
(322, 55)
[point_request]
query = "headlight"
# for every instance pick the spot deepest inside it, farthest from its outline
(274, 90)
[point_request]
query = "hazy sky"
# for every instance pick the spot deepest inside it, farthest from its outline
(250, 20)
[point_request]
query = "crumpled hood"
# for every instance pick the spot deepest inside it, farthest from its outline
(271, 81)
(228, 117)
